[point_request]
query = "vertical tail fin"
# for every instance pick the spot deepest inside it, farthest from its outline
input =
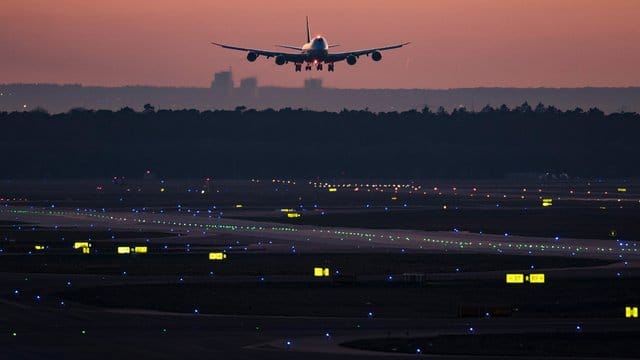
(308, 34)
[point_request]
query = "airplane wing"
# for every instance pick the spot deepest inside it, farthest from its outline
(342, 56)
(290, 47)
(296, 58)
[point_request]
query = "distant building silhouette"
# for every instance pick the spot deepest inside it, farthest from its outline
(248, 88)
(222, 83)
(313, 84)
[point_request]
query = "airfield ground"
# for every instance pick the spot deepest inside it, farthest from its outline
(421, 265)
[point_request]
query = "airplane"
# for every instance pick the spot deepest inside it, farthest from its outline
(315, 51)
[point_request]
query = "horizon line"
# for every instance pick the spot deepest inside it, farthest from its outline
(326, 88)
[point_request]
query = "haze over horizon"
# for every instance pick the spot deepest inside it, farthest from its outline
(458, 43)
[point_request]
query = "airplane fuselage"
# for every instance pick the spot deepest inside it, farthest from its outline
(316, 50)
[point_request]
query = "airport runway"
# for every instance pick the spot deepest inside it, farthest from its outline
(313, 238)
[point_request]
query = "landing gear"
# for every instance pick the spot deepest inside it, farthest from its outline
(298, 67)
(319, 67)
(308, 67)
(330, 67)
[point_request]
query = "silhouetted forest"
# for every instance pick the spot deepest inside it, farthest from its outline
(491, 143)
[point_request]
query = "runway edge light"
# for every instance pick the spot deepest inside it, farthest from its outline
(631, 311)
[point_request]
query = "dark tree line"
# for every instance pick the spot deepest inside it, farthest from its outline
(245, 143)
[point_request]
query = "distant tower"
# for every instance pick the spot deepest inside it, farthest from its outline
(313, 84)
(248, 88)
(222, 83)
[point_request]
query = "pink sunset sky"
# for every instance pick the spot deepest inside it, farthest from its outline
(454, 43)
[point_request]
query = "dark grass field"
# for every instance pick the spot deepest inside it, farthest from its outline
(254, 264)
(604, 345)
(385, 299)
(578, 222)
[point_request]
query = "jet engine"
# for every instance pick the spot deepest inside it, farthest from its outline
(351, 60)
(376, 56)
(280, 60)
(251, 56)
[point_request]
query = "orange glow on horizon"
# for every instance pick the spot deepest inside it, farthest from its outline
(454, 43)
